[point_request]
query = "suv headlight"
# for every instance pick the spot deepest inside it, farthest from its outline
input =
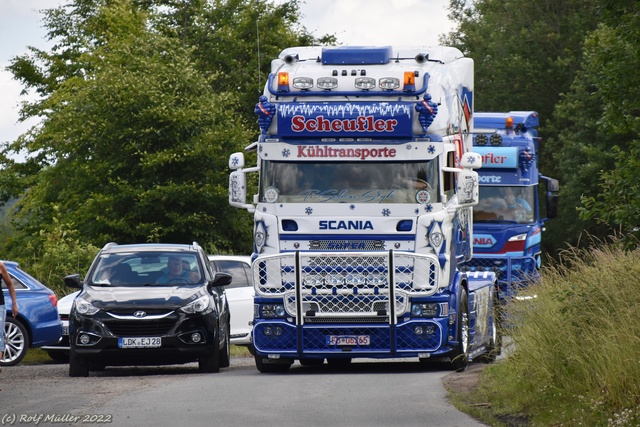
(84, 307)
(201, 305)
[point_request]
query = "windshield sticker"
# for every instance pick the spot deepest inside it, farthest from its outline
(271, 195)
(423, 197)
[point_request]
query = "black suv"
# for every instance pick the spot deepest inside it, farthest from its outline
(149, 304)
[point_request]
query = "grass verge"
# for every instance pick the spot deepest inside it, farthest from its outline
(576, 358)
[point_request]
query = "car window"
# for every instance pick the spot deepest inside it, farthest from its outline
(238, 271)
(17, 284)
(146, 268)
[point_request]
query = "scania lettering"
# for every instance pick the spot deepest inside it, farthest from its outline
(346, 225)
(508, 223)
(363, 212)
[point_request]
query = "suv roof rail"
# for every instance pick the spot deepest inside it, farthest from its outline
(195, 244)
(108, 245)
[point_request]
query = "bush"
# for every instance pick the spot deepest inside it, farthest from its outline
(577, 344)
(60, 253)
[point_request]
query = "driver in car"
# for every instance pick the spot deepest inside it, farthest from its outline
(175, 273)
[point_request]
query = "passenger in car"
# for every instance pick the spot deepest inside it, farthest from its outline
(122, 274)
(175, 272)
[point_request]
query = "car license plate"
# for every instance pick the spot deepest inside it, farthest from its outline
(348, 340)
(139, 342)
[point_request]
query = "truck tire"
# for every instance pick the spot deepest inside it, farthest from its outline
(16, 342)
(494, 348)
(460, 356)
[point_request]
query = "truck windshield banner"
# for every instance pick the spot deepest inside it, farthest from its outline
(498, 157)
(345, 120)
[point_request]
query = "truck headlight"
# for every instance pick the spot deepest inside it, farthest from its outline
(272, 310)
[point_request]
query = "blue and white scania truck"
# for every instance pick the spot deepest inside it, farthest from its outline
(363, 214)
(508, 221)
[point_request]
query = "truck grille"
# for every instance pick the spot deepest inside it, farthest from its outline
(323, 284)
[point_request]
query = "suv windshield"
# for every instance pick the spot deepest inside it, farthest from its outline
(147, 268)
(349, 182)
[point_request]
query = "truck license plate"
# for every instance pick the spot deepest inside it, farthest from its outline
(140, 342)
(348, 340)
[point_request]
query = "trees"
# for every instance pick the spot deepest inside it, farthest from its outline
(573, 62)
(141, 104)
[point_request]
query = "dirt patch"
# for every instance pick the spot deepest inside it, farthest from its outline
(464, 382)
(463, 389)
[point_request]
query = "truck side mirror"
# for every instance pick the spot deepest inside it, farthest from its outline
(237, 189)
(236, 161)
(552, 198)
(467, 185)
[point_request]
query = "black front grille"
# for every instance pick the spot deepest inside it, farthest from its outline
(140, 328)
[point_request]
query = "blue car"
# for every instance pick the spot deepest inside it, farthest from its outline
(37, 324)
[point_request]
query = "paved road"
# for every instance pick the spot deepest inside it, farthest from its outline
(363, 394)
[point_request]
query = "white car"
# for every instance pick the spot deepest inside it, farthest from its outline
(239, 294)
(60, 351)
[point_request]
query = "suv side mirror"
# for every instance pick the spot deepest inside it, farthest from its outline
(73, 281)
(219, 279)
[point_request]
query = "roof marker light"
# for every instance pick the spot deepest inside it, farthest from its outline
(409, 81)
(509, 123)
(283, 81)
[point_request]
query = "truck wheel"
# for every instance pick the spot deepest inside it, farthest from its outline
(460, 356)
(494, 348)
(16, 342)
(267, 366)
(78, 366)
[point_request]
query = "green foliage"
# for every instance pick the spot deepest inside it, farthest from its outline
(141, 104)
(575, 347)
(60, 252)
(525, 53)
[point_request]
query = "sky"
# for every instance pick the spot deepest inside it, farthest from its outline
(354, 22)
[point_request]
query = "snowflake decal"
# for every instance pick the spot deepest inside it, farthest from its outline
(428, 208)
(472, 160)
(286, 152)
(235, 161)
(386, 212)
(308, 211)
(264, 209)
(431, 149)
(417, 211)
(409, 147)
(260, 148)
(352, 207)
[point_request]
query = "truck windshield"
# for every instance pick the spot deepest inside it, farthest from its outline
(349, 182)
(505, 203)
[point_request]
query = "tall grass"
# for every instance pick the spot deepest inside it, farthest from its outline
(576, 358)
